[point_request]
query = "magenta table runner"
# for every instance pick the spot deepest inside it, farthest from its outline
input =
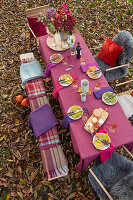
(81, 139)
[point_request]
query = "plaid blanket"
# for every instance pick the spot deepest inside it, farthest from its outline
(49, 139)
(35, 88)
(54, 161)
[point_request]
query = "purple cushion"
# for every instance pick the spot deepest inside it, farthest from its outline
(38, 27)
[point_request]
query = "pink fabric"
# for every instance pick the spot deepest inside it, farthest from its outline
(38, 28)
(81, 139)
(58, 87)
(107, 153)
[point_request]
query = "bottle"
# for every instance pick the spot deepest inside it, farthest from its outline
(78, 51)
(72, 47)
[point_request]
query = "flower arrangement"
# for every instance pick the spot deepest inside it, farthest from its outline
(60, 19)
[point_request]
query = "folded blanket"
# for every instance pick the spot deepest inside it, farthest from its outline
(66, 120)
(58, 87)
(107, 153)
(49, 139)
(29, 71)
(98, 94)
(35, 88)
(126, 102)
(42, 119)
(49, 66)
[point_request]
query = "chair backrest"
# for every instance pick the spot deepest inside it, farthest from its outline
(125, 40)
(34, 12)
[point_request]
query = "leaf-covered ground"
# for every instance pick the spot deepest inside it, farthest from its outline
(21, 169)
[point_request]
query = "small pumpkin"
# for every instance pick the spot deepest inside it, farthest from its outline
(19, 98)
(25, 102)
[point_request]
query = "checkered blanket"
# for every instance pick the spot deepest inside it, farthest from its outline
(54, 161)
(35, 88)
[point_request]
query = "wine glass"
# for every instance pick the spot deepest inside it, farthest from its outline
(64, 60)
(112, 127)
(97, 85)
(75, 83)
(84, 116)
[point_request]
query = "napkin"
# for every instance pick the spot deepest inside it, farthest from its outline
(42, 119)
(98, 94)
(86, 67)
(49, 66)
(66, 120)
(107, 153)
(58, 87)
(29, 71)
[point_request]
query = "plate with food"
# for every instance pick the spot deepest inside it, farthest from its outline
(74, 112)
(93, 72)
(101, 141)
(55, 58)
(65, 80)
(109, 98)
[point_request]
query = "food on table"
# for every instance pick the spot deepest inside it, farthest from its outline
(98, 143)
(112, 100)
(94, 120)
(89, 125)
(97, 119)
(97, 113)
(19, 98)
(66, 78)
(56, 55)
(101, 121)
(25, 102)
(92, 68)
(77, 111)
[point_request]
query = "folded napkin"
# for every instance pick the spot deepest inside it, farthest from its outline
(86, 67)
(66, 120)
(42, 119)
(49, 66)
(107, 153)
(49, 139)
(29, 71)
(98, 94)
(58, 87)
(35, 88)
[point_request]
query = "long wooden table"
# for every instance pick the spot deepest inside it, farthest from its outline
(81, 139)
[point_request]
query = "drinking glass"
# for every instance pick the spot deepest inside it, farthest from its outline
(112, 127)
(64, 60)
(84, 116)
(75, 83)
(82, 61)
(97, 85)
(85, 85)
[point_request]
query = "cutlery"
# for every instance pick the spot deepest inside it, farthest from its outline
(73, 112)
(114, 95)
(95, 72)
(108, 96)
(102, 140)
(68, 69)
(64, 80)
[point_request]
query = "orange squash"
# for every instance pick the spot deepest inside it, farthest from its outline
(19, 98)
(25, 102)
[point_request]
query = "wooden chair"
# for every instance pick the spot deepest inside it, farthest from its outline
(35, 12)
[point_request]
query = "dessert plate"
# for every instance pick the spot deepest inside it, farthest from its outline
(77, 110)
(99, 144)
(94, 75)
(110, 101)
(54, 56)
(65, 80)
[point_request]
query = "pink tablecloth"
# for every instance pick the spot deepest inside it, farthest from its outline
(82, 140)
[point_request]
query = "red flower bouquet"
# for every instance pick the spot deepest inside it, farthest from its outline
(60, 19)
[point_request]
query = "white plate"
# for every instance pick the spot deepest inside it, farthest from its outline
(70, 110)
(105, 146)
(57, 56)
(109, 103)
(99, 74)
(65, 84)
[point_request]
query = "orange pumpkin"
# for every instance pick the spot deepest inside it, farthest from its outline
(25, 102)
(19, 98)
